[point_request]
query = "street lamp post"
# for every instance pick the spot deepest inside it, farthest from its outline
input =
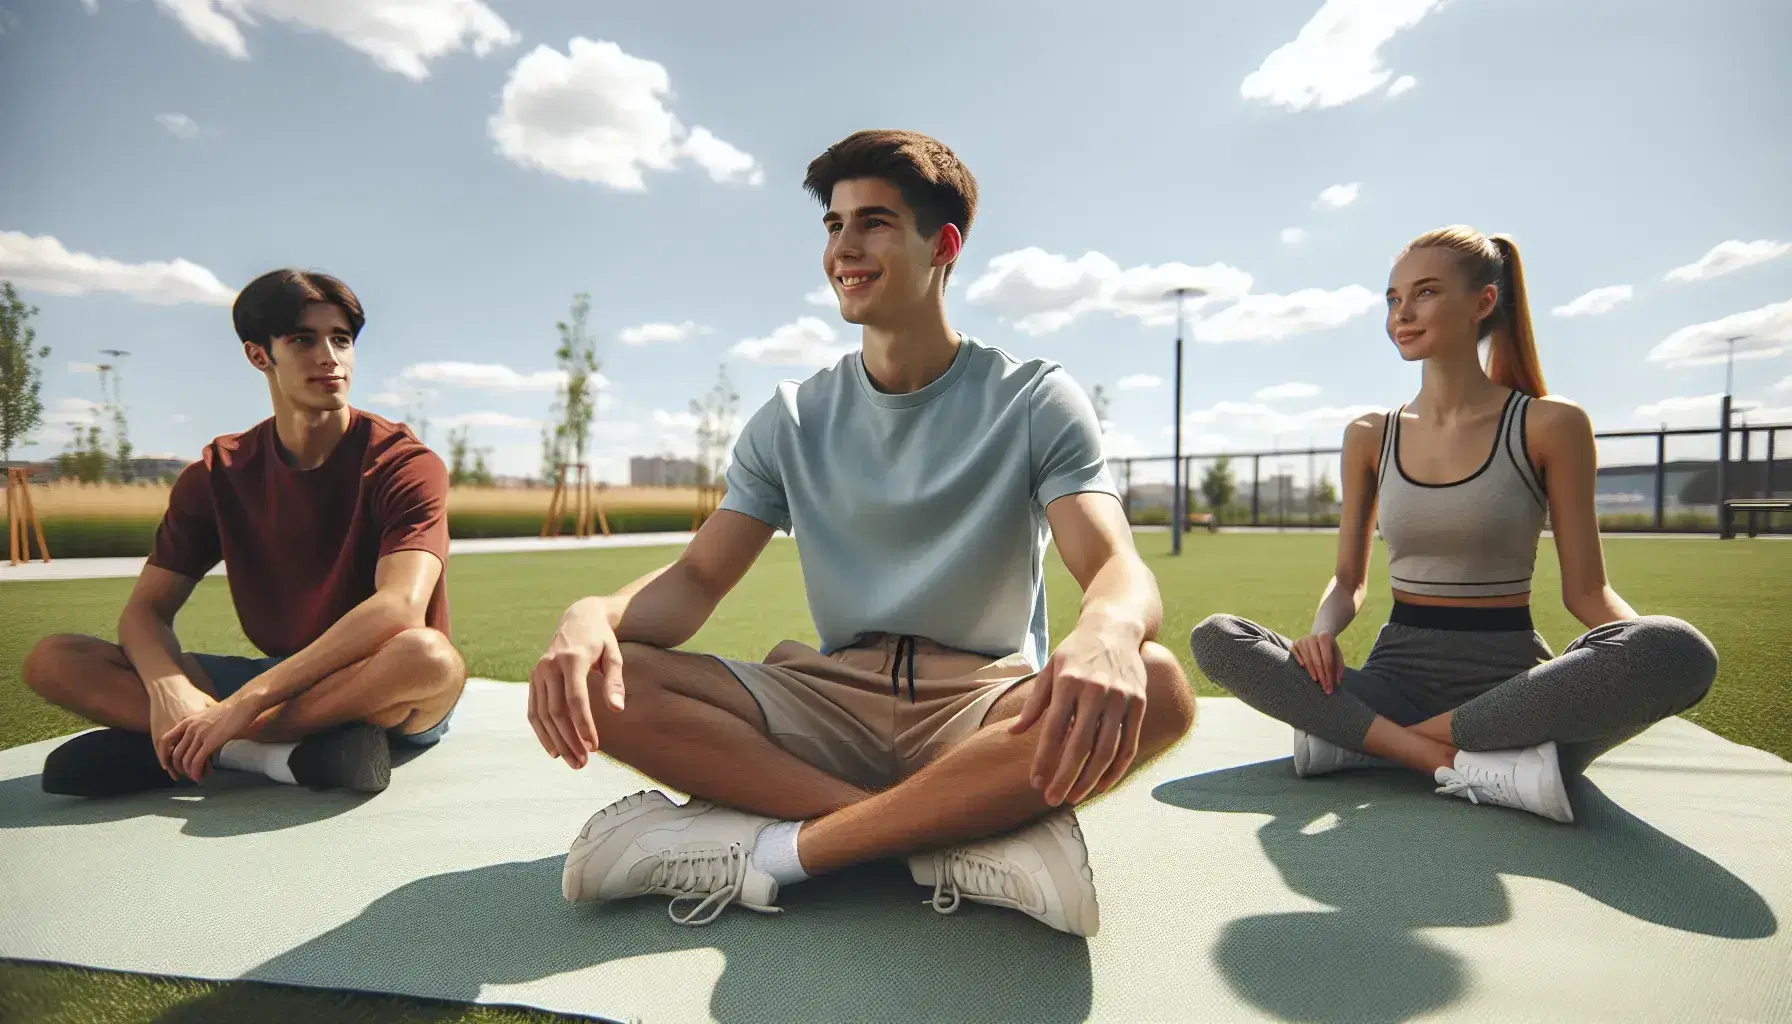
(1179, 487)
(1723, 438)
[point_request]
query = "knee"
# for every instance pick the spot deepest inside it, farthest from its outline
(51, 664)
(1677, 653)
(1214, 638)
(430, 654)
(1169, 701)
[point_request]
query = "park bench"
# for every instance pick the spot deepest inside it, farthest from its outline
(1751, 506)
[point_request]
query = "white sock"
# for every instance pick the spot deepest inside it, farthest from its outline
(268, 759)
(775, 853)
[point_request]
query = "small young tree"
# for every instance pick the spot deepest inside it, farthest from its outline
(575, 401)
(1099, 398)
(715, 421)
(21, 376)
(458, 467)
(1217, 486)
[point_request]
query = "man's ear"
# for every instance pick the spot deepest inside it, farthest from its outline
(258, 357)
(947, 247)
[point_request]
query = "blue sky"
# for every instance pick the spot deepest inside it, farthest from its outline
(471, 167)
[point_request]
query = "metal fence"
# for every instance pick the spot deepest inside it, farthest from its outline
(1663, 480)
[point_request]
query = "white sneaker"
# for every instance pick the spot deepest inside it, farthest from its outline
(1314, 756)
(1529, 779)
(1041, 870)
(644, 843)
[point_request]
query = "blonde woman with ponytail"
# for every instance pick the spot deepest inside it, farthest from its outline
(1459, 685)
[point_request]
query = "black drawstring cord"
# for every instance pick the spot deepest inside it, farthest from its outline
(896, 668)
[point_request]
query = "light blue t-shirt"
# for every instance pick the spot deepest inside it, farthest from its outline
(923, 514)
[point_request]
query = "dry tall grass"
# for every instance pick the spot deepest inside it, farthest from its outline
(66, 499)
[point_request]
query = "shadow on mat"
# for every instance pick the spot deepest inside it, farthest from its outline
(856, 946)
(226, 804)
(1393, 858)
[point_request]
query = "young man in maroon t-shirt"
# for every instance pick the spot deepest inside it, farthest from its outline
(332, 525)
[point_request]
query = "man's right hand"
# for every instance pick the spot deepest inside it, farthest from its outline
(170, 701)
(1318, 653)
(559, 688)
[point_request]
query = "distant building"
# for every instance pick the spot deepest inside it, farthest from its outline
(663, 471)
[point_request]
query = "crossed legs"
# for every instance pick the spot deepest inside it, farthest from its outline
(409, 684)
(689, 724)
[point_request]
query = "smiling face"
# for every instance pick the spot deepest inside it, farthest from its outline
(1433, 307)
(879, 264)
(311, 367)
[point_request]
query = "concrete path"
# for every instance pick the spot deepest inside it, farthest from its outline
(113, 568)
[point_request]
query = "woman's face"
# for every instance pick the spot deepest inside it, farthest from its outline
(1432, 307)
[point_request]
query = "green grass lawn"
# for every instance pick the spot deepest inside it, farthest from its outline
(505, 607)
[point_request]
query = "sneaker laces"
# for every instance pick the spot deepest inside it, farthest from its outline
(1475, 782)
(959, 871)
(713, 875)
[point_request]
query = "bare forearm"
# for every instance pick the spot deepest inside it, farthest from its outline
(1599, 607)
(154, 651)
(664, 608)
(365, 629)
(1338, 608)
(1123, 597)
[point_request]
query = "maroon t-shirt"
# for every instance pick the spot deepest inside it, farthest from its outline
(300, 546)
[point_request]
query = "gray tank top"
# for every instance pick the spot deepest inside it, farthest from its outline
(1476, 537)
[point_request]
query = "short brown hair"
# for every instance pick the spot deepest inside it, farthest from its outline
(934, 183)
(273, 304)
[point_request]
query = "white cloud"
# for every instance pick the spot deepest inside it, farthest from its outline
(1401, 86)
(1335, 58)
(674, 420)
(1270, 317)
(655, 334)
(823, 295)
(72, 412)
(1727, 257)
(1292, 389)
(1041, 292)
(598, 114)
(389, 399)
(179, 125)
(806, 341)
(1704, 410)
(180, 417)
(41, 263)
(1293, 236)
(493, 420)
(1336, 197)
(489, 376)
(1139, 380)
(83, 367)
(1764, 333)
(1597, 302)
(1257, 425)
(402, 36)
(1784, 385)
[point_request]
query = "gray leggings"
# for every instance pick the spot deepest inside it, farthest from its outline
(1504, 686)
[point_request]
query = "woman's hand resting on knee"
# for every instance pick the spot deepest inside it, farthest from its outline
(1318, 653)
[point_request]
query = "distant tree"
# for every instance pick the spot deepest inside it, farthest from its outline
(1324, 491)
(481, 473)
(575, 400)
(111, 389)
(457, 456)
(1217, 486)
(86, 459)
(21, 378)
(715, 413)
(1099, 398)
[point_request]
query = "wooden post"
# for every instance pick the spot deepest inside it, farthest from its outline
(582, 526)
(21, 519)
(551, 526)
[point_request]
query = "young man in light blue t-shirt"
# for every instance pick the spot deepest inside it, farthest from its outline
(922, 478)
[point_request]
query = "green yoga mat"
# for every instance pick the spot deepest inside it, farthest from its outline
(1230, 890)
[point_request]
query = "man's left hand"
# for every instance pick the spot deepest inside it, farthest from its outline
(194, 739)
(1091, 697)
